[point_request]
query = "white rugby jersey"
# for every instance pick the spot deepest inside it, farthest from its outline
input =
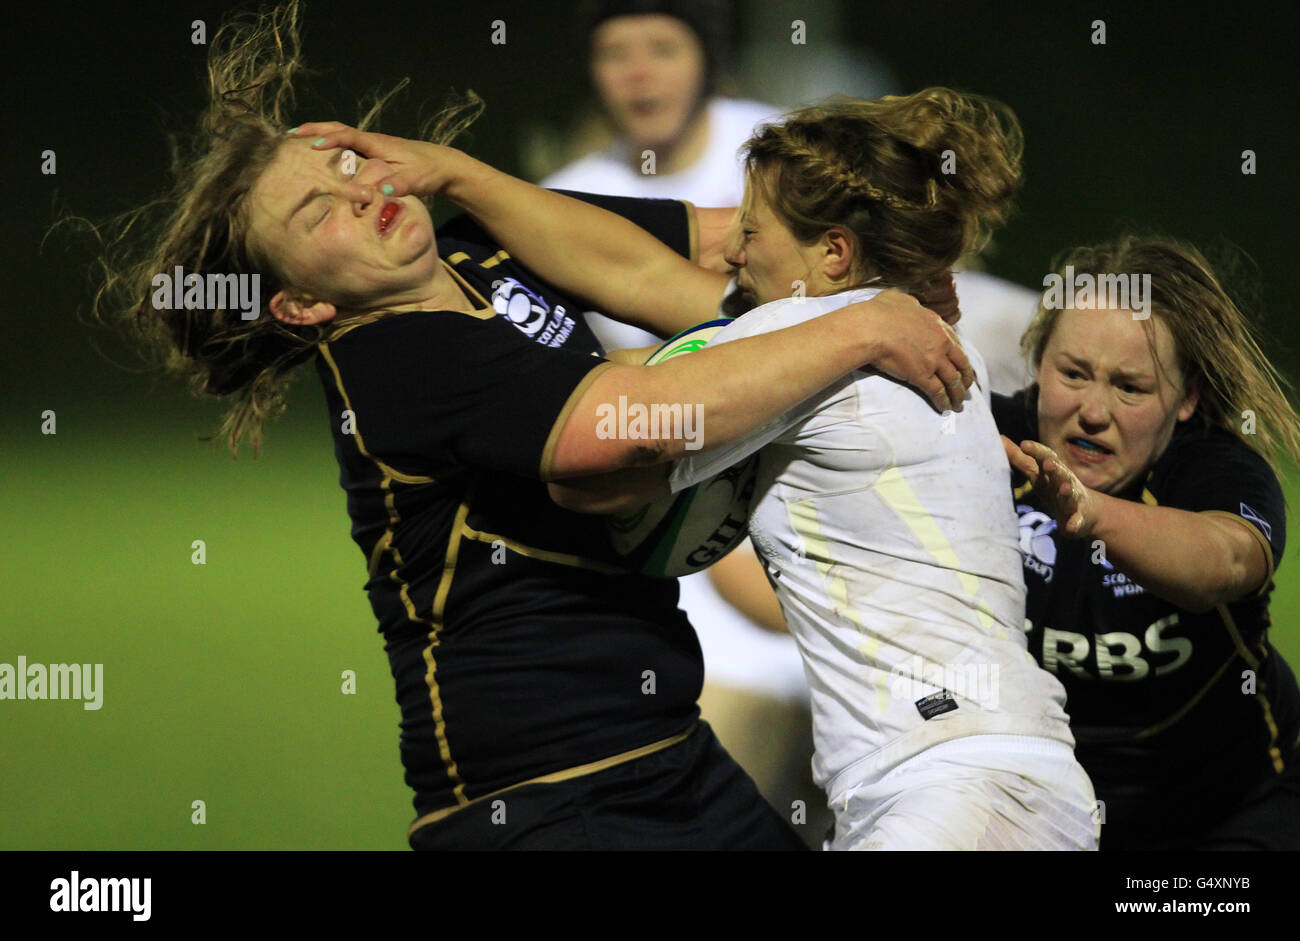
(890, 534)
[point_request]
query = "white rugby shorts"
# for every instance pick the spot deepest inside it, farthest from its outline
(978, 792)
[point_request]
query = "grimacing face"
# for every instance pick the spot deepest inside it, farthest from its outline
(329, 247)
(649, 72)
(768, 259)
(1103, 406)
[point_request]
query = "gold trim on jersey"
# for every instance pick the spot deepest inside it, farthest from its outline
(553, 439)
(1255, 663)
(693, 227)
(488, 313)
(495, 259)
(389, 472)
(1260, 538)
(557, 776)
(1239, 650)
(545, 555)
(436, 622)
(1168, 721)
(385, 544)
(361, 320)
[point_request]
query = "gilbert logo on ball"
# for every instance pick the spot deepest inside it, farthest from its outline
(688, 531)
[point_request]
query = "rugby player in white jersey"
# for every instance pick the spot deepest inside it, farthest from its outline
(886, 528)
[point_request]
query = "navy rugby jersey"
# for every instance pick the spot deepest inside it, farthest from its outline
(519, 646)
(1168, 721)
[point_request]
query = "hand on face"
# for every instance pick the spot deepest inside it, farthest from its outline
(328, 234)
(415, 168)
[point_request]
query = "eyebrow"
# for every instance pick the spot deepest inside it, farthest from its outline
(1116, 373)
(333, 160)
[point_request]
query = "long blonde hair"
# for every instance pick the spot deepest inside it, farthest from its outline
(201, 225)
(1215, 343)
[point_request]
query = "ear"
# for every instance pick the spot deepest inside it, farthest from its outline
(837, 253)
(298, 311)
(1187, 408)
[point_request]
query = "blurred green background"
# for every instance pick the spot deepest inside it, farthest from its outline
(222, 681)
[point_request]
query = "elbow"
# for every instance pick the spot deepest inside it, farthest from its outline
(1206, 598)
(596, 503)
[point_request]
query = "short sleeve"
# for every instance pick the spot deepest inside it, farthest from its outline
(438, 388)
(671, 221)
(777, 315)
(1215, 472)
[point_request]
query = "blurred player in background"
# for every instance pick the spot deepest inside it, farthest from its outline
(657, 66)
(1151, 524)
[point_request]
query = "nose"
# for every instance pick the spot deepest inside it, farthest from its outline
(362, 192)
(734, 253)
(1094, 409)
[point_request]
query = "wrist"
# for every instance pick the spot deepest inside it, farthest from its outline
(1102, 513)
(854, 342)
(463, 176)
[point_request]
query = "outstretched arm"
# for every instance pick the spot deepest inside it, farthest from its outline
(1196, 561)
(598, 256)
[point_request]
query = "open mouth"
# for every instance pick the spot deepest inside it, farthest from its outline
(644, 107)
(1088, 450)
(387, 216)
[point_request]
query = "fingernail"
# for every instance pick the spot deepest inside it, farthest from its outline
(387, 188)
(292, 130)
(318, 141)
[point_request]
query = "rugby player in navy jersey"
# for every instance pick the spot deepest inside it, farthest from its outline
(1151, 524)
(548, 697)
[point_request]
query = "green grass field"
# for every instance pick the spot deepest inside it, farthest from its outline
(222, 682)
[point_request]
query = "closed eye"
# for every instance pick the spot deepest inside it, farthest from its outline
(321, 217)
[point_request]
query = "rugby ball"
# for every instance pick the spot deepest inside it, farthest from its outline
(688, 531)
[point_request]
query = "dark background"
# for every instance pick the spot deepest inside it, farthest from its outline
(222, 681)
(1146, 131)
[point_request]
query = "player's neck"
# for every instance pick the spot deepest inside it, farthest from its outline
(444, 292)
(681, 153)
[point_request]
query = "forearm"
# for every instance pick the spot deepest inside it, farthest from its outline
(730, 390)
(617, 492)
(611, 263)
(740, 580)
(1183, 557)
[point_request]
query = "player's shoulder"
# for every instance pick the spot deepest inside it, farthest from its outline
(402, 329)
(987, 287)
(789, 311)
(1016, 415)
(1199, 449)
(743, 113)
(600, 172)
